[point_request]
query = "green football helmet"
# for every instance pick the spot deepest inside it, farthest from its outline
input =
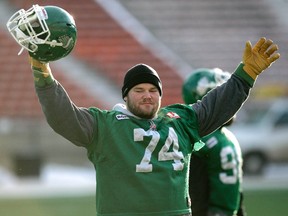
(201, 81)
(48, 33)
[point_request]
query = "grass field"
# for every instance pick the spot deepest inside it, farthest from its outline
(267, 202)
(258, 203)
(72, 206)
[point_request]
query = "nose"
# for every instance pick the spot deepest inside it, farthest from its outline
(147, 94)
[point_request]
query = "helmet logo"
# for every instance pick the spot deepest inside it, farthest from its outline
(67, 42)
(204, 85)
(221, 76)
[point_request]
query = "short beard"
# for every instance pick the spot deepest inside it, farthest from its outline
(137, 112)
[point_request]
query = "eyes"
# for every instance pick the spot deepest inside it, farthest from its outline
(145, 89)
(142, 90)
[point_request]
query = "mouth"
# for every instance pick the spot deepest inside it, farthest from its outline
(146, 103)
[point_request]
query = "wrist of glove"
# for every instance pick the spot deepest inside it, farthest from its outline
(260, 57)
(42, 73)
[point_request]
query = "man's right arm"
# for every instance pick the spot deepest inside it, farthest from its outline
(65, 118)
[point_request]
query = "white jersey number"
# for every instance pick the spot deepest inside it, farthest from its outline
(164, 155)
(228, 162)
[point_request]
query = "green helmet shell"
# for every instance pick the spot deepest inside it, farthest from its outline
(200, 82)
(48, 33)
(62, 39)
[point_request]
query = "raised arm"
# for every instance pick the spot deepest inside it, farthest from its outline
(223, 102)
(64, 117)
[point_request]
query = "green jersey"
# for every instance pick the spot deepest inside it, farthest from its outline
(134, 158)
(222, 161)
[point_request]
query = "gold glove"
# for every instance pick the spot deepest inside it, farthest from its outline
(260, 57)
(41, 67)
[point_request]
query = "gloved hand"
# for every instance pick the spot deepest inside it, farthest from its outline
(260, 57)
(41, 67)
(42, 73)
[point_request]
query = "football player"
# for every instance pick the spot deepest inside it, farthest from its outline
(215, 181)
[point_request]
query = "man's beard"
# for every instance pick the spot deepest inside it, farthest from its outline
(140, 113)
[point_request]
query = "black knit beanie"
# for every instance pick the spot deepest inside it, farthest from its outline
(140, 73)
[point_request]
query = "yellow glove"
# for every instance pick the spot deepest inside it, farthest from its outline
(42, 73)
(40, 67)
(260, 57)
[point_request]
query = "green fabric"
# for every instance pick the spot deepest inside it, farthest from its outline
(40, 80)
(137, 159)
(240, 72)
(223, 159)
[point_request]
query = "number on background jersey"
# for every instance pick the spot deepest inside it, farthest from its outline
(228, 162)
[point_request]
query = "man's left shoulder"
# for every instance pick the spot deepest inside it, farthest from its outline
(176, 106)
(177, 110)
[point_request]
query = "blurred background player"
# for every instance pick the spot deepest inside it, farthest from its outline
(215, 183)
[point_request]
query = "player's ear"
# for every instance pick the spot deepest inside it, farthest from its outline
(125, 98)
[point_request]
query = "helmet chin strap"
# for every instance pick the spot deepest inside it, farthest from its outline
(53, 43)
